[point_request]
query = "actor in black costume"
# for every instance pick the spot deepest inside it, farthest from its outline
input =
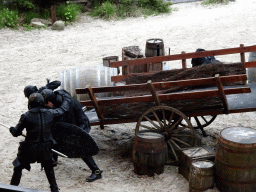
(74, 116)
(38, 122)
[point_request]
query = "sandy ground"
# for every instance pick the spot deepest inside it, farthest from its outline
(30, 57)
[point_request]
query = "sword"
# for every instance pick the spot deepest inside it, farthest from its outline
(53, 150)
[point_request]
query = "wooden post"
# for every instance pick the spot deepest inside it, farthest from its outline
(242, 54)
(154, 93)
(222, 94)
(184, 64)
(53, 14)
(97, 108)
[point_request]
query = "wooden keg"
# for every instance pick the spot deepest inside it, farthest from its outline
(235, 160)
(154, 47)
(201, 176)
(149, 153)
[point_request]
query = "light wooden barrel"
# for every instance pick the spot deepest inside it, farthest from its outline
(235, 160)
(149, 153)
(201, 176)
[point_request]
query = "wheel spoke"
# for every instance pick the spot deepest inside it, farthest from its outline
(173, 151)
(180, 141)
(164, 119)
(198, 122)
(150, 128)
(158, 120)
(204, 119)
(179, 129)
(152, 122)
(176, 123)
(175, 144)
(180, 135)
(170, 120)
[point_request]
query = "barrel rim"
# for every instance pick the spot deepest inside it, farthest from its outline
(233, 142)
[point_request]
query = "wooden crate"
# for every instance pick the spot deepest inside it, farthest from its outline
(188, 155)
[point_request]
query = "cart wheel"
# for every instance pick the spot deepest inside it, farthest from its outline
(167, 121)
(199, 122)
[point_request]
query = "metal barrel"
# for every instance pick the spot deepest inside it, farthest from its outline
(149, 153)
(201, 176)
(235, 161)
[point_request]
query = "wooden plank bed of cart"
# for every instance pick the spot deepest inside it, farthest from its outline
(169, 113)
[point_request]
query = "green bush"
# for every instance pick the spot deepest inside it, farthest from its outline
(8, 18)
(30, 15)
(208, 2)
(105, 10)
(21, 5)
(129, 8)
(68, 12)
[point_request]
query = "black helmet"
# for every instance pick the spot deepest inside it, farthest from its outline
(28, 90)
(36, 100)
(48, 95)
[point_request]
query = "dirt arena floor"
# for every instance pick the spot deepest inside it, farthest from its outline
(29, 57)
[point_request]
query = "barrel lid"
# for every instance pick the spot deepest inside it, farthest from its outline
(150, 135)
(203, 164)
(155, 41)
(243, 135)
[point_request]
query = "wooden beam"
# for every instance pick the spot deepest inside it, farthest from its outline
(183, 56)
(96, 106)
(168, 84)
(166, 97)
(222, 95)
(154, 93)
(250, 64)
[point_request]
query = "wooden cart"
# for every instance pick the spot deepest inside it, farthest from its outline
(169, 113)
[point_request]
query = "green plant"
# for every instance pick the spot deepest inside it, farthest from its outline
(208, 2)
(105, 10)
(30, 15)
(129, 8)
(68, 12)
(8, 18)
(21, 5)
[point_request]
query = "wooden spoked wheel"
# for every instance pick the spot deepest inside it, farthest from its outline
(201, 121)
(167, 121)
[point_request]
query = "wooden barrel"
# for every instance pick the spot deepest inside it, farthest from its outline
(235, 160)
(149, 153)
(201, 176)
(154, 47)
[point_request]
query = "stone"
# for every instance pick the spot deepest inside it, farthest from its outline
(45, 22)
(37, 24)
(58, 25)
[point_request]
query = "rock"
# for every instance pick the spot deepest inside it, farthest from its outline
(58, 25)
(45, 22)
(37, 24)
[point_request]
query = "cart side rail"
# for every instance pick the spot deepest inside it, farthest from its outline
(183, 56)
(156, 97)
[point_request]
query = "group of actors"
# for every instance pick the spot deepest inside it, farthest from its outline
(47, 107)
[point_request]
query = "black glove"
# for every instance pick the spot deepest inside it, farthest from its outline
(12, 130)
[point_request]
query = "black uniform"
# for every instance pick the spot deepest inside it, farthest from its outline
(76, 116)
(38, 122)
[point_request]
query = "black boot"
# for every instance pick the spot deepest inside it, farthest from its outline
(96, 172)
(94, 176)
(51, 178)
(17, 173)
